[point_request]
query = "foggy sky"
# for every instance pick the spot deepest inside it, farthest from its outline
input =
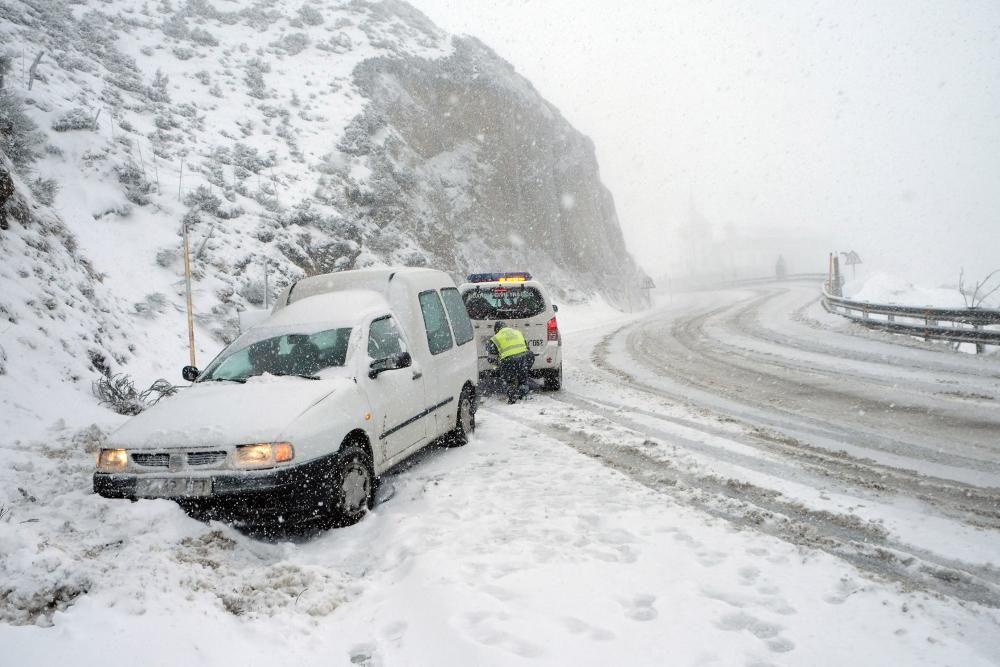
(874, 124)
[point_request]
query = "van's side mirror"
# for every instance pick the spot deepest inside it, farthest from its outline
(190, 373)
(390, 363)
(555, 308)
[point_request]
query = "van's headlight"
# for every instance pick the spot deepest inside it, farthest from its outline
(264, 454)
(112, 460)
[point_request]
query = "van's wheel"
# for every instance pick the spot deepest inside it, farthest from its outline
(553, 379)
(353, 485)
(465, 420)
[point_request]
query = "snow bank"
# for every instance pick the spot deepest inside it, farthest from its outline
(887, 288)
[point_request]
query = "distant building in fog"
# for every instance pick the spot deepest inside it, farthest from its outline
(703, 253)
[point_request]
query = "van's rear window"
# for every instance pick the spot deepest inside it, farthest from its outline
(503, 303)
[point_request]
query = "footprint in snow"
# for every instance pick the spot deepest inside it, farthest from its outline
(763, 630)
(486, 628)
(711, 558)
(364, 655)
(640, 608)
(577, 626)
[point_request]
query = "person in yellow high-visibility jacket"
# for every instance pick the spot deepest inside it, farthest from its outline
(515, 360)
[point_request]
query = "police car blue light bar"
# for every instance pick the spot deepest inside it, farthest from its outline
(508, 277)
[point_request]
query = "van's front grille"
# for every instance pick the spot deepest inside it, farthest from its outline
(205, 458)
(152, 460)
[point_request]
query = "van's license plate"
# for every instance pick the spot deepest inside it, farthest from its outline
(172, 487)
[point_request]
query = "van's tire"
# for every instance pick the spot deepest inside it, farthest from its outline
(553, 379)
(465, 420)
(353, 485)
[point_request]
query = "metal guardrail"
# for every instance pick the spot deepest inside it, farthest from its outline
(966, 323)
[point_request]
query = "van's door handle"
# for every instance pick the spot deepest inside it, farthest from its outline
(417, 375)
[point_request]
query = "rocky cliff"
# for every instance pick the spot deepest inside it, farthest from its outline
(468, 163)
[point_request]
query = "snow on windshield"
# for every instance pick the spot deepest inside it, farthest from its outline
(285, 354)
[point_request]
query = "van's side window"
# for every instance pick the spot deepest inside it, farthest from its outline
(460, 322)
(384, 339)
(435, 321)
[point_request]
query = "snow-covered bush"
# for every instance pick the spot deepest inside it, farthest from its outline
(6, 64)
(175, 26)
(153, 305)
(414, 258)
(74, 119)
(230, 213)
(255, 84)
(357, 139)
(19, 136)
(157, 91)
(256, 68)
(167, 257)
(248, 158)
(252, 291)
(202, 37)
(44, 190)
(293, 43)
(203, 199)
(310, 15)
(137, 187)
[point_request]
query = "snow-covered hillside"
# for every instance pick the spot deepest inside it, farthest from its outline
(292, 137)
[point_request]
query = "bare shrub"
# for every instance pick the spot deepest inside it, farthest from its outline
(975, 296)
(118, 392)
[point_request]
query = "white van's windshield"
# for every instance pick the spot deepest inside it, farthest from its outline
(286, 354)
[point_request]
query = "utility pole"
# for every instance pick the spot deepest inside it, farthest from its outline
(266, 289)
(187, 283)
(180, 180)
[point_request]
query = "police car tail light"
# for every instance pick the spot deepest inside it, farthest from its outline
(553, 329)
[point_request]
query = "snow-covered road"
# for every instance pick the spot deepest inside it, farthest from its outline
(881, 451)
(735, 478)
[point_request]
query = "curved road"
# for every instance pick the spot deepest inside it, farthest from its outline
(758, 406)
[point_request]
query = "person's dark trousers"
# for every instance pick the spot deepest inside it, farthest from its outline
(514, 372)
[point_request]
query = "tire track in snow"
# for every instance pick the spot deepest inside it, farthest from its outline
(864, 544)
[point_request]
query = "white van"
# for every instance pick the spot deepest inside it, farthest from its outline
(296, 419)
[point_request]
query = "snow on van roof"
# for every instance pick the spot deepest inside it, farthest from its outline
(343, 306)
(369, 279)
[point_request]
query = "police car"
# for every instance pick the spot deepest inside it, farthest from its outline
(522, 303)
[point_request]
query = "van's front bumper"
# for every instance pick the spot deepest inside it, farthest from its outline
(252, 496)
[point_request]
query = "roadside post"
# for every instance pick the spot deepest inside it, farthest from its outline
(187, 289)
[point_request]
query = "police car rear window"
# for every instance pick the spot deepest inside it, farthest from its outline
(503, 303)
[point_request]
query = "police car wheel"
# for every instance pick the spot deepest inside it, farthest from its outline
(553, 379)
